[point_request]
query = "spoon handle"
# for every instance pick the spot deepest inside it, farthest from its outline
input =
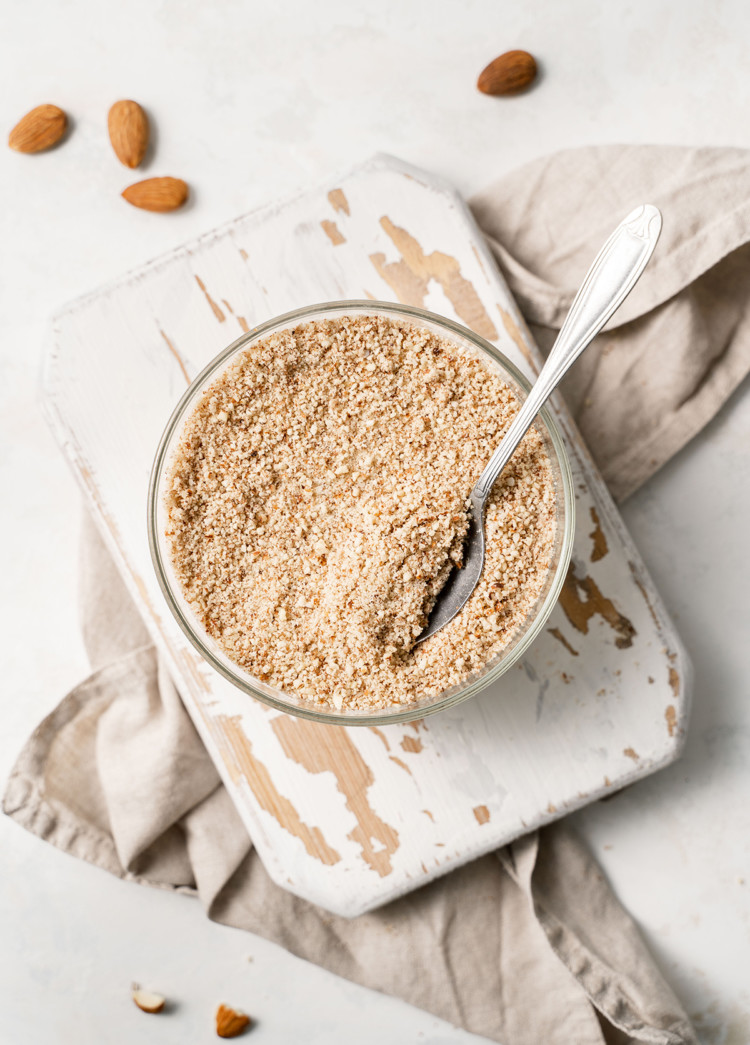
(615, 271)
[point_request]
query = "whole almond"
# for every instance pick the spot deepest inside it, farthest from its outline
(128, 131)
(230, 1022)
(158, 194)
(39, 129)
(510, 73)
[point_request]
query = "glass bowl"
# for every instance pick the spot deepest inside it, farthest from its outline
(276, 698)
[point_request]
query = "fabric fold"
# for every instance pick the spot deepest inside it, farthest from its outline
(680, 344)
(552, 216)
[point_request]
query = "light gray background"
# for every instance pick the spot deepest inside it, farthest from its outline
(251, 101)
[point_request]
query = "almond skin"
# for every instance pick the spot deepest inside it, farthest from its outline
(512, 72)
(128, 131)
(157, 194)
(230, 1022)
(39, 129)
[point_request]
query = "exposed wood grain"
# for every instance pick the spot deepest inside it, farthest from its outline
(330, 749)
(410, 277)
(243, 765)
(243, 324)
(406, 284)
(212, 304)
(381, 736)
(599, 548)
(581, 599)
(674, 682)
(482, 814)
(178, 357)
(646, 597)
(338, 200)
(561, 638)
(331, 230)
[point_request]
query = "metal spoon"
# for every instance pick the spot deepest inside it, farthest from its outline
(615, 271)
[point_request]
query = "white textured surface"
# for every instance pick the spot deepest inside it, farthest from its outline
(249, 105)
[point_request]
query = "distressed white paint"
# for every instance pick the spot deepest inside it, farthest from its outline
(555, 733)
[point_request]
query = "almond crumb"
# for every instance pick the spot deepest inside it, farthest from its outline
(230, 1023)
(147, 1001)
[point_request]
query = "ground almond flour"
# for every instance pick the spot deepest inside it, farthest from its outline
(317, 503)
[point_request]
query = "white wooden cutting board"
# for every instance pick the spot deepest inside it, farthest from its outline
(352, 817)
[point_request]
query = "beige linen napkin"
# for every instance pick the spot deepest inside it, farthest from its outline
(527, 945)
(680, 345)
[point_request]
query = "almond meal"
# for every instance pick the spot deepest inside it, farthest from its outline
(317, 503)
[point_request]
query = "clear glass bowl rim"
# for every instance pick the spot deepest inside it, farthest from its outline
(473, 685)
